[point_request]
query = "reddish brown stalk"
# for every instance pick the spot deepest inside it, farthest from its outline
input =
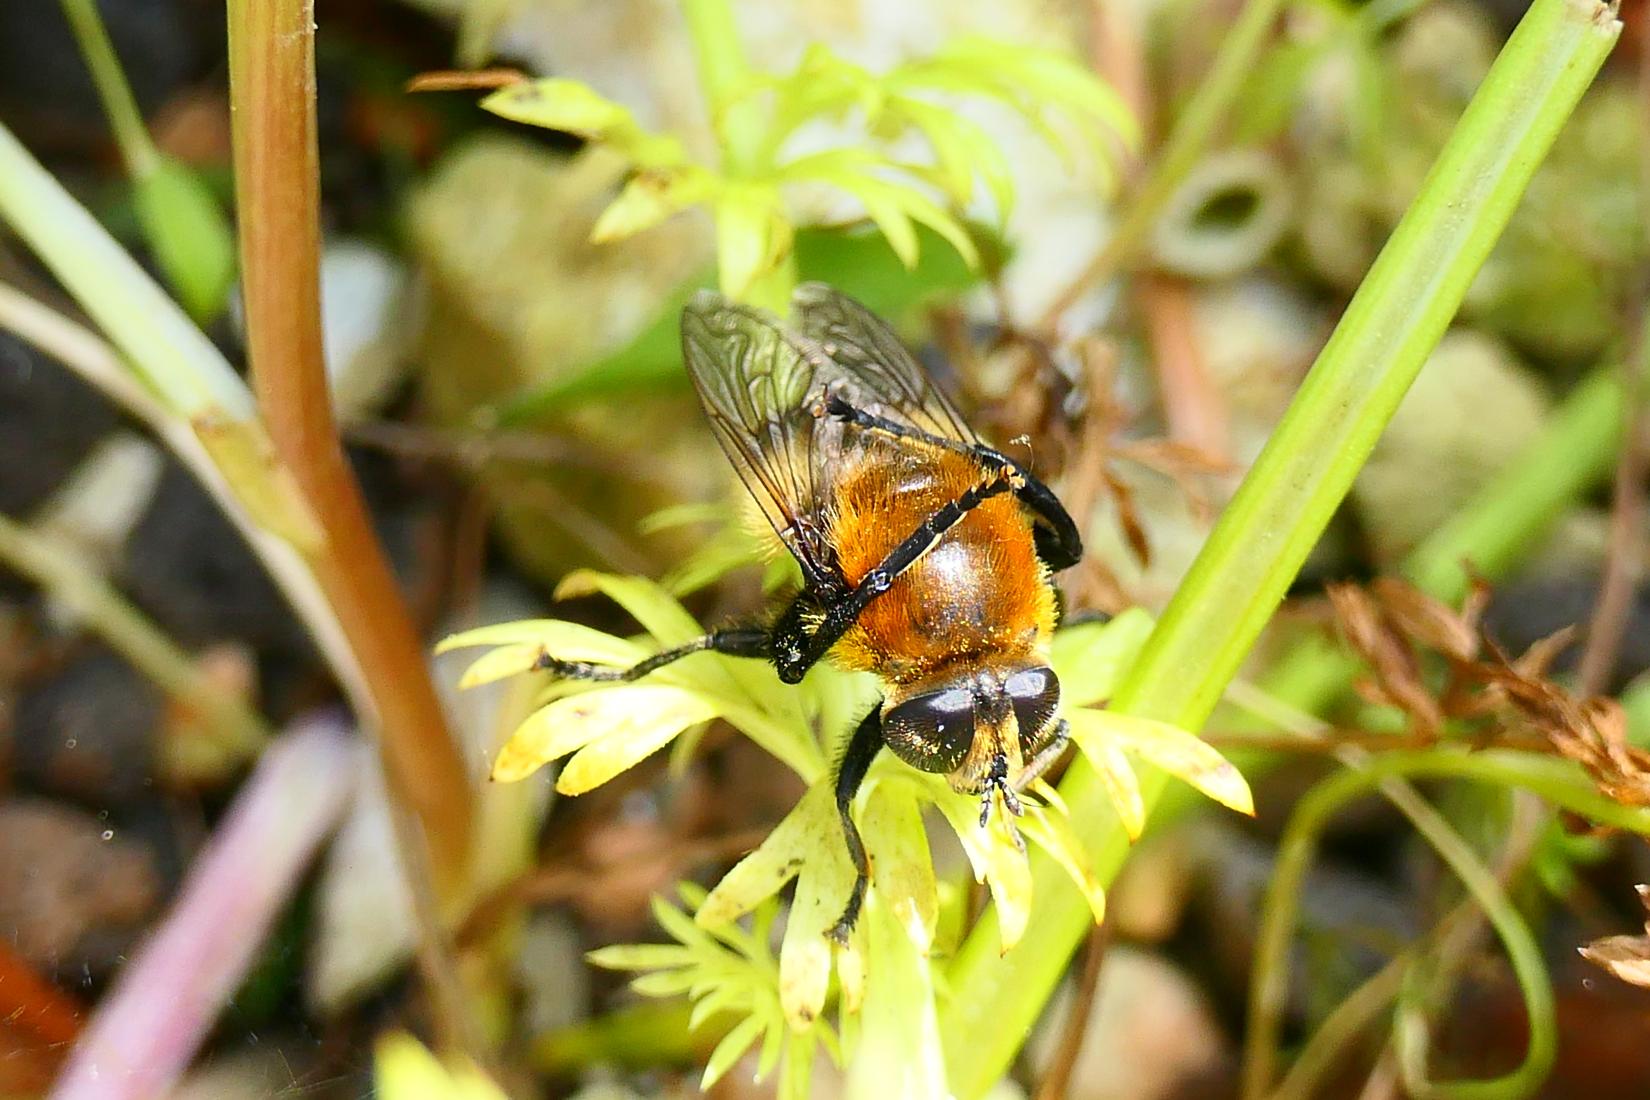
(1193, 405)
(1057, 1081)
(277, 190)
(31, 1004)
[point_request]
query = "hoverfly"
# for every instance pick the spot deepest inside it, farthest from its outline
(926, 555)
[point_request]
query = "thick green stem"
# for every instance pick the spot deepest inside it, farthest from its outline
(1392, 324)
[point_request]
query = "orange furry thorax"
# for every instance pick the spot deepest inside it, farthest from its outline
(980, 592)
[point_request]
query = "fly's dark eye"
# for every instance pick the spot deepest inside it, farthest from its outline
(1035, 694)
(931, 732)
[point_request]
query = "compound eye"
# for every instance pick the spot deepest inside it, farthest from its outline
(931, 732)
(1035, 693)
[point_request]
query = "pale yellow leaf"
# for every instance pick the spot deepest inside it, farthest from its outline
(570, 724)
(1174, 750)
(1051, 831)
(630, 743)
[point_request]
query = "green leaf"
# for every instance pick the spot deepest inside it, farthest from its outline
(576, 108)
(651, 197)
(730, 1049)
(190, 235)
(657, 610)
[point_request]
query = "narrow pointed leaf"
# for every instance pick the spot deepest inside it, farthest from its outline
(568, 725)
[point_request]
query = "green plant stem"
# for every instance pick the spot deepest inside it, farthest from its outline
(171, 353)
(1576, 452)
(1557, 782)
(723, 72)
(1341, 1028)
(137, 148)
(1234, 62)
(1391, 325)
(60, 570)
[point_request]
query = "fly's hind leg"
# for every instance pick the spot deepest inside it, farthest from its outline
(1059, 543)
(751, 641)
(856, 761)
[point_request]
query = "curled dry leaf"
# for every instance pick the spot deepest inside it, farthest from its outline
(1626, 957)
(1391, 655)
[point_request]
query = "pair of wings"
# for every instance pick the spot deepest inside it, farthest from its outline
(764, 382)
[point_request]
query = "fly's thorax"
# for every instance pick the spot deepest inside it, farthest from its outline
(975, 726)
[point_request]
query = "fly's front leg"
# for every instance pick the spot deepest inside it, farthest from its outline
(747, 641)
(1045, 757)
(856, 762)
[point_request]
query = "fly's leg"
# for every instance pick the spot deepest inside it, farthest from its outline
(856, 761)
(1059, 543)
(808, 631)
(751, 641)
(1044, 757)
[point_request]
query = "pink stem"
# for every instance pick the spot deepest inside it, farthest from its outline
(148, 1026)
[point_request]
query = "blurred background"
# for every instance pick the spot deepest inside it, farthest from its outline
(511, 401)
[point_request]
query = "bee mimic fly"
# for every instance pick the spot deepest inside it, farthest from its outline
(926, 555)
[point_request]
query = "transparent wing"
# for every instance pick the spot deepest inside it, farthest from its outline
(756, 382)
(875, 370)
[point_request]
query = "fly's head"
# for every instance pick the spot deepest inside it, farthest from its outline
(980, 728)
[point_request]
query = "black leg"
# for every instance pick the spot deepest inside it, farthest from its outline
(1059, 543)
(856, 761)
(750, 641)
(808, 631)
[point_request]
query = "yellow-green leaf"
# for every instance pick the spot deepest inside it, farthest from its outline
(404, 1070)
(660, 614)
(1051, 830)
(733, 1045)
(568, 641)
(1122, 785)
(753, 236)
(575, 108)
(776, 860)
(997, 857)
(650, 198)
(630, 714)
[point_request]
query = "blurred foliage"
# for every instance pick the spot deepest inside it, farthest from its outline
(763, 121)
